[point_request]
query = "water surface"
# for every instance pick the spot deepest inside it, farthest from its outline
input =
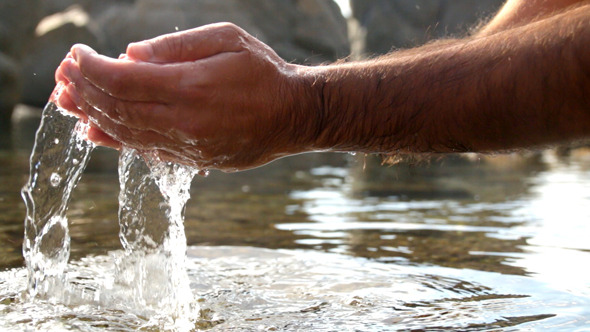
(334, 242)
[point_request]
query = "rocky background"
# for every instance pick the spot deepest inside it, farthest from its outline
(392, 24)
(36, 34)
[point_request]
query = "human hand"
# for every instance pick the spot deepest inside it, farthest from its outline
(211, 97)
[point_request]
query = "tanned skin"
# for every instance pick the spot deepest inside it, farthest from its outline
(216, 97)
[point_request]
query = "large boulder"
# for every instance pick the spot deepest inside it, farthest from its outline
(301, 31)
(391, 24)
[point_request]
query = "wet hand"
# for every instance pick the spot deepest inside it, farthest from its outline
(211, 97)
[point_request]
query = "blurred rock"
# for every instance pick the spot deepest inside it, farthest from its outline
(92, 7)
(103, 160)
(9, 89)
(25, 121)
(406, 23)
(301, 31)
(448, 176)
(321, 30)
(17, 26)
(43, 57)
(18, 19)
(461, 15)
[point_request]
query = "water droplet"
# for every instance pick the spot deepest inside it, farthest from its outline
(176, 28)
(56, 141)
(203, 172)
(75, 161)
(54, 179)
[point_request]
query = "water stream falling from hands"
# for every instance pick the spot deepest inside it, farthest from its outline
(59, 156)
(151, 204)
(150, 277)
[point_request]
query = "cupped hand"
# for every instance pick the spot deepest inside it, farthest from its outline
(212, 97)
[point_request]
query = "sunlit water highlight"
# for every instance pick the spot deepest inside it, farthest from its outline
(250, 289)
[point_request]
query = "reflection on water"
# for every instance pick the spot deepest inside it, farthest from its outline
(328, 242)
(246, 288)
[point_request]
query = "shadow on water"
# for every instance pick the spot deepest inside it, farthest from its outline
(322, 240)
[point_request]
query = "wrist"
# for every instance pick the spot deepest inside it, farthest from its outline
(305, 109)
(350, 109)
(320, 107)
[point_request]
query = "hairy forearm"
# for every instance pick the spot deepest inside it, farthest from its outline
(519, 88)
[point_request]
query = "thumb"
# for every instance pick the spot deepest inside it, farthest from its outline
(189, 45)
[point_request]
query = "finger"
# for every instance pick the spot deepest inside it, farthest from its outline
(99, 137)
(57, 90)
(189, 45)
(64, 101)
(97, 119)
(139, 115)
(123, 78)
(94, 134)
(59, 75)
(135, 138)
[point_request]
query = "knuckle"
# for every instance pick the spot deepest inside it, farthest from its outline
(171, 44)
(227, 26)
(230, 32)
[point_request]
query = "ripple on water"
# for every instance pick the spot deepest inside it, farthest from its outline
(244, 288)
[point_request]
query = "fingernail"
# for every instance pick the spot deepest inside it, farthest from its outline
(80, 49)
(141, 51)
(67, 69)
(60, 76)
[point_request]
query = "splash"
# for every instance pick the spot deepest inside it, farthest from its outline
(55, 169)
(150, 277)
(151, 204)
